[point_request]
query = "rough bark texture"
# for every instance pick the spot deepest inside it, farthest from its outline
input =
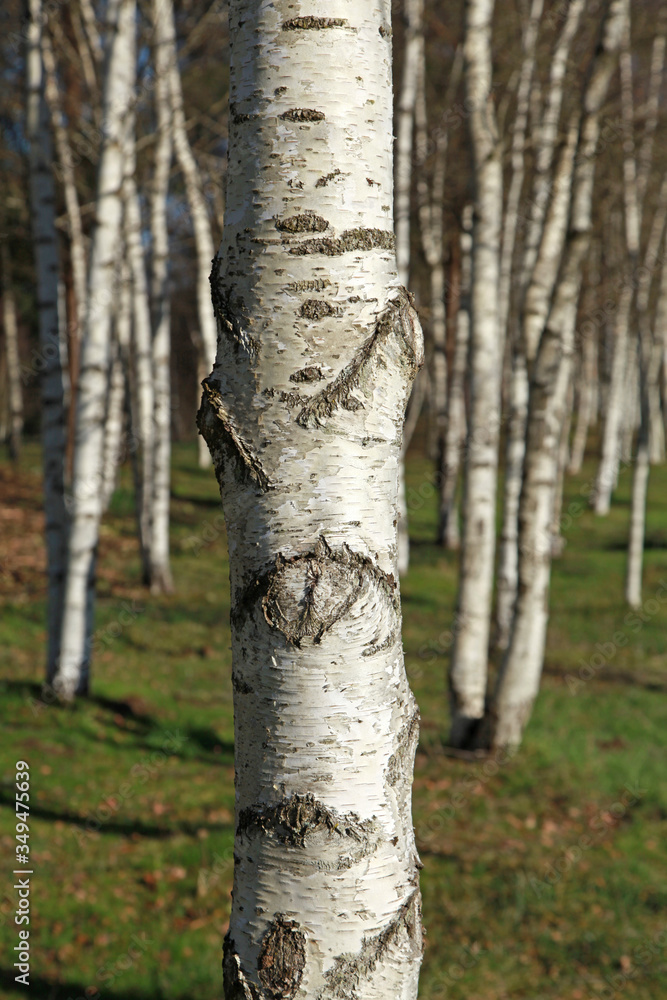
(521, 669)
(303, 413)
(71, 676)
(470, 651)
(42, 209)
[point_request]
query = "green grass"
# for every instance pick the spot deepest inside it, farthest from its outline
(132, 796)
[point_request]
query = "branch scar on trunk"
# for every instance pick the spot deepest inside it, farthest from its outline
(397, 315)
(228, 324)
(217, 428)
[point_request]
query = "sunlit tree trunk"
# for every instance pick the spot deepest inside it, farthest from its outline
(318, 346)
(535, 311)
(470, 651)
(161, 579)
(88, 474)
(194, 192)
(450, 459)
(42, 208)
(413, 65)
(519, 677)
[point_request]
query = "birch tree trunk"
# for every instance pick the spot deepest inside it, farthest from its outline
(635, 179)
(161, 579)
(535, 311)
(113, 425)
(303, 413)
(194, 192)
(521, 669)
(13, 361)
(413, 63)
(450, 462)
(470, 650)
(42, 210)
(587, 407)
(142, 362)
(72, 674)
(518, 142)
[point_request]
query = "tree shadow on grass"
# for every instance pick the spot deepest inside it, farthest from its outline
(91, 824)
(48, 989)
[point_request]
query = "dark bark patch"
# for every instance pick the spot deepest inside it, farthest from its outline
(306, 223)
(238, 117)
(282, 959)
(350, 240)
(324, 180)
(293, 819)
(296, 593)
(310, 23)
(344, 976)
(235, 984)
(309, 374)
(302, 115)
(317, 309)
(217, 428)
(227, 321)
(308, 285)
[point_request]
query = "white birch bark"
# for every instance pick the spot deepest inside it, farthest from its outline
(517, 149)
(13, 362)
(113, 424)
(318, 345)
(194, 192)
(547, 136)
(587, 402)
(558, 542)
(521, 669)
(86, 500)
(470, 651)
(142, 361)
(161, 579)
(42, 209)
(413, 61)
(450, 464)
(635, 179)
(535, 312)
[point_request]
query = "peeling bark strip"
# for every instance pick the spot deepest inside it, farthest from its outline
(401, 762)
(293, 819)
(215, 423)
(343, 980)
(317, 348)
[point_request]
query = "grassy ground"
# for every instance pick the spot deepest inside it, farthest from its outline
(544, 875)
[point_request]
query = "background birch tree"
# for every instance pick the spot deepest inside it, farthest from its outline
(319, 343)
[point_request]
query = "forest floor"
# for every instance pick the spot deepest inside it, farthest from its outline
(545, 875)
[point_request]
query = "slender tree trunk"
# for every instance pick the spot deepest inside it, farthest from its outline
(161, 579)
(194, 191)
(450, 459)
(88, 475)
(535, 311)
(114, 423)
(413, 61)
(521, 669)
(587, 403)
(470, 651)
(518, 142)
(633, 580)
(42, 207)
(557, 541)
(318, 343)
(142, 361)
(10, 326)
